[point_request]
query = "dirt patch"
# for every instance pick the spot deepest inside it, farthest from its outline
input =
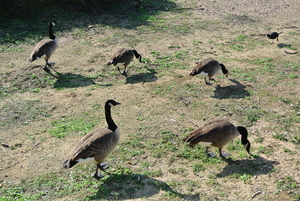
(32, 99)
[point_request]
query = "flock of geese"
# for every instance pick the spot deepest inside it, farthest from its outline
(95, 146)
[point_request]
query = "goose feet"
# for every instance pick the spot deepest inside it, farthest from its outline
(208, 83)
(211, 155)
(46, 68)
(97, 175)
(51, 63)
(124, 72)
(225, 155)
(103, 166)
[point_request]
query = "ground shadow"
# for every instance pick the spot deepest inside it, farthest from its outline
(70, 80)
(258, 166)
(20, 23)
(237, 91)
(282, 45)
(133, 186)
(142, 77)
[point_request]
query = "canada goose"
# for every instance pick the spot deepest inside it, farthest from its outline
(124, 56)
(273, 35)
(218, 133)
(95, 146)
(45, 48)
(208, 68)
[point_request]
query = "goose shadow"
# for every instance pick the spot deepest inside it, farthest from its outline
(71, 80)
(283, 45)
(258, 166)
(237, 91)
(149, 76)
(133, 186)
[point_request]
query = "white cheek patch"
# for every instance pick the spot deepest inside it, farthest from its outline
(86, 161)
(203, 74)
(205, 144)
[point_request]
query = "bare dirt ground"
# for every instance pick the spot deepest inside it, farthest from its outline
(36, 153)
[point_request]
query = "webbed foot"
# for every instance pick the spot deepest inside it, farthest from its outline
(103, 166)
(51, 63)
(97, 175)
(225, 155)
(211, 155)
(46, 68)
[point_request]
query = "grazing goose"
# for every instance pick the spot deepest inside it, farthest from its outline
(208, 68)
(45, 48)
(273, 35)
(124, 56)
(96, 145)
(218, 133)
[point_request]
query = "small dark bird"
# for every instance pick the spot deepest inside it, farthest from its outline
(45, 48)
(218, 133)
(95, 146)
(273, 35)
(208, 68)
(124, 56)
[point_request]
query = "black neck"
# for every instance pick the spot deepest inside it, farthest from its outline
(51, 35)
(244, 133)
(110, 122)
(224, 70)
(137, 55)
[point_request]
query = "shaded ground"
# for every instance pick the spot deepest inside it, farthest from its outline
(159, 96)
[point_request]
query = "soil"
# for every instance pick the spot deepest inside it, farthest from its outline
(36, 153)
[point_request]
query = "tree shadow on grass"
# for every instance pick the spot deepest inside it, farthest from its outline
(133, 186)
(237, 91)
(70, 80)
(20, 24)
(258, 166)
(142, 77)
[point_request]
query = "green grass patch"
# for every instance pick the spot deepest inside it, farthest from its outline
(66, 126)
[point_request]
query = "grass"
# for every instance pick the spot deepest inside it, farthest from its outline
(261, 94)
(66, 126)
(17, 113)
(288, 184)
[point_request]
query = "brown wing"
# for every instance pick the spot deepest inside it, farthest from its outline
(44, 47)
(209, 66)
(98, 143)
(215, 131)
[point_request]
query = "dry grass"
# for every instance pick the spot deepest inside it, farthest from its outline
(44, 115)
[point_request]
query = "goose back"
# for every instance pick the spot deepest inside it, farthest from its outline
(216, 133)
(207, 67)
(123, 56)
(94, 147)
(45, 48)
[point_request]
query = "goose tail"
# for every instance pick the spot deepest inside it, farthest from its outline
(193, 73)
(69, 163)
(109, 63)
(31, 59)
